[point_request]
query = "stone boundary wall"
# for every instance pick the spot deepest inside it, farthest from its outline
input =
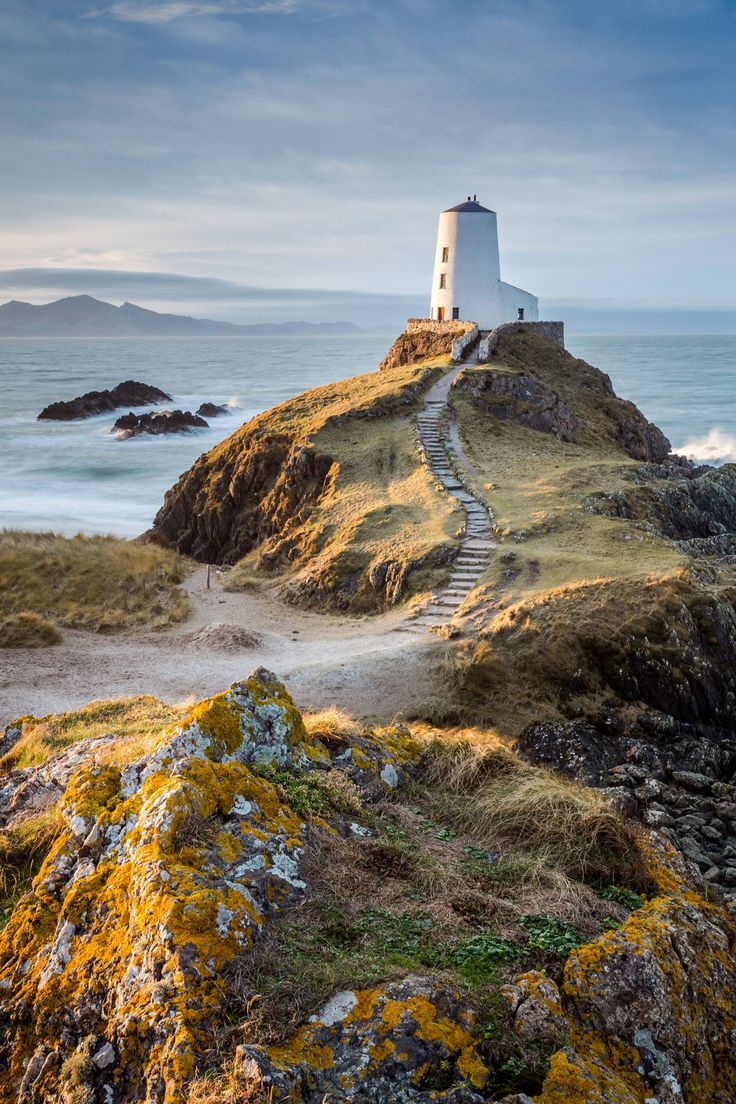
(460, 344)
(431, 325)
(553, 331)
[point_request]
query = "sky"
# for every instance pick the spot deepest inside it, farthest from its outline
(258, 160)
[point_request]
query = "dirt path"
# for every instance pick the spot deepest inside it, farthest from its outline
(361, 664)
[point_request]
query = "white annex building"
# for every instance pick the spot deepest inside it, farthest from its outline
(467, 280)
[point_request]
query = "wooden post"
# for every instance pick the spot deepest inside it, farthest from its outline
(208, 576)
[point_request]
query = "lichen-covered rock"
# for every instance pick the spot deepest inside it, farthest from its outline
(651, 1007)
(375, 760)
(408, 1042)
(33, 789)
(164, 872)
(534, 1001)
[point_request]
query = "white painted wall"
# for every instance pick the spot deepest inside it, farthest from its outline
(511, 298)
(472, 272)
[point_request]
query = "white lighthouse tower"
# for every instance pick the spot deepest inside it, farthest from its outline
(467, 280)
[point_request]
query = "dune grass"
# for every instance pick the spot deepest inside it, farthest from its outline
(97, 583)
(27, 630)
(134, 721)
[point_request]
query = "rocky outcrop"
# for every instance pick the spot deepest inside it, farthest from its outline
(585, 391)
(651, 1007)
(128, 393)
(249, 490)
(416, 345)
(521, 399)
(211, 410)
(164, 421)
(696, 507)
(410, 1042)
(164, 872)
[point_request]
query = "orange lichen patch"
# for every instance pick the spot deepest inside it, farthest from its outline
(302, 1050)
(228, 846)
(365, 1000)
(574, 1081)
(264, 692)
(218, 719)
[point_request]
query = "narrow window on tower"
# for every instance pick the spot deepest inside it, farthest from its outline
(446, 253)
(455, 312)
(521, 313)
(443, 280)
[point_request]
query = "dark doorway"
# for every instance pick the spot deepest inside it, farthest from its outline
(455, 312)
(521, 313)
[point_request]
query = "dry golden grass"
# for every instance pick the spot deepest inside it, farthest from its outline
(27, 630)
(97, 583)
(136, 721)
(23, 847)
(556, 830)
(227, 1088)
(332, 726)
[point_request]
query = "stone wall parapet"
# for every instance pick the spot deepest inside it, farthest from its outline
(553, 331)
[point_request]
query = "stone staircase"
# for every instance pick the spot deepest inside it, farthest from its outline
(476, 544)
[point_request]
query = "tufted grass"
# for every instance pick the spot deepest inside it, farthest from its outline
(27, 630)
(23, 847)
(551, 826)
(135, 721)
(97, 583)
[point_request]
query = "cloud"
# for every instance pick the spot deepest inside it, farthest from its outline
(148, 11)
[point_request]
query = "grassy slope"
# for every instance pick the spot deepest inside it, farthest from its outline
(97, 583)
(382, 504)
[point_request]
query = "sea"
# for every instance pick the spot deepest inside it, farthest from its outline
(79, 477)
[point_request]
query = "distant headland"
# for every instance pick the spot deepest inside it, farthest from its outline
(85, 316)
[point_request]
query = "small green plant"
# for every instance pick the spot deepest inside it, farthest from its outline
(304, 795)
(549, 934)
(622, 896)
(477, 958)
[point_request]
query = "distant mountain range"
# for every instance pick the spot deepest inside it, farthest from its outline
(84, 316)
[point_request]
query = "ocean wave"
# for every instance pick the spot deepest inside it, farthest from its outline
(715, 445)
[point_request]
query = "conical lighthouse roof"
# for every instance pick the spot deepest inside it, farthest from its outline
(470, 205)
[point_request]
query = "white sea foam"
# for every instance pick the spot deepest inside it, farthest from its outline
(715, 445)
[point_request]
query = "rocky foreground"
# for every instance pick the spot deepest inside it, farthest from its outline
(117, 967)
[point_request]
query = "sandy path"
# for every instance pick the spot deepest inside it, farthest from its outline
(360, 664)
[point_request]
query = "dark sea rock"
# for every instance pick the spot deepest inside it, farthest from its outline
(128, 393)
(696, 507)
(157, 422)
(211, 410)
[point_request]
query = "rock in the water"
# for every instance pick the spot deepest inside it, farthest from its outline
(157, 422)
(394, 1043)
(128, 393)
(211, 410)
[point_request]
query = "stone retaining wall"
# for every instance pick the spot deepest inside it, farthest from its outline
(553, 331)
(460, 344)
